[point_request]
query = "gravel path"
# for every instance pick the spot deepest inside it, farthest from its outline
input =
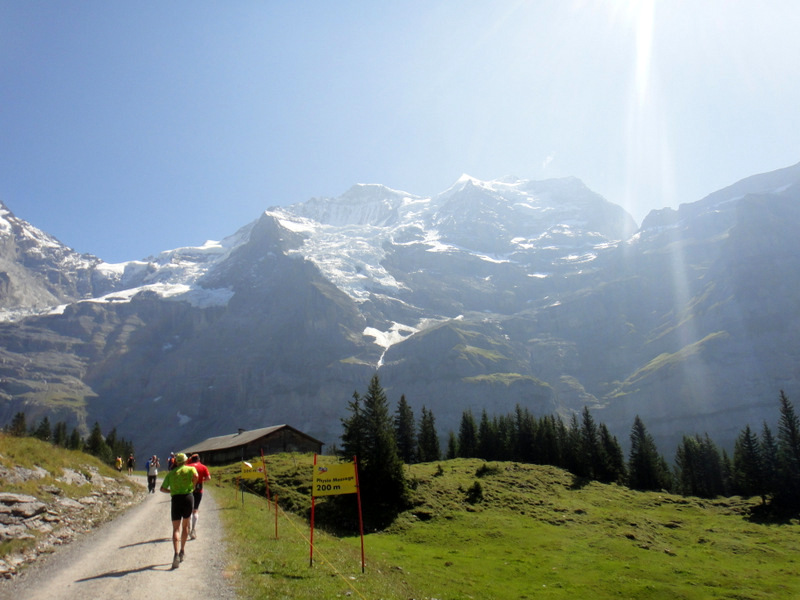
(131, 558)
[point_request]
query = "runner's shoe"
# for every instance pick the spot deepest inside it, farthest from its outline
(192, 535)
(181, 556)
(176, 562)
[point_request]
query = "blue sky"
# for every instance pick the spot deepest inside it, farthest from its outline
(128, 128)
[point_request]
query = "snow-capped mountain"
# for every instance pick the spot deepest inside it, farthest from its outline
(488, 295)
(42, 275)
(36, 270)
(540, 229)
(557, 224)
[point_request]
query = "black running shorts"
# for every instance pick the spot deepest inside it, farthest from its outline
(182, 506)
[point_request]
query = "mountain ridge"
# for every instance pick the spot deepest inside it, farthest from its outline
(488, 295)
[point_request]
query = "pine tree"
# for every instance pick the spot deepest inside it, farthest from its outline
(405, 432)
(60, 434)
(43, 430)
(429, 449)
(788, 455)
(525, 447)
(452, 445)
(713, 472)
(114, 444)
(549, 441)
(75, 440)
(504, 428)
(18, 426)
(664, 473)
(685, 458)
(727, 474)
(698, 468)
(612, 468)
(381, 476)
(487, 439)
(96, 444)
(769, 457)
(353, 434)
(589, 462)
(467, 436)
(572, 447)
(647, 470)
(748, 465)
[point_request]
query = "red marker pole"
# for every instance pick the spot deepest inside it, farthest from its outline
(266, 479)
(311, 540)
(360, 519)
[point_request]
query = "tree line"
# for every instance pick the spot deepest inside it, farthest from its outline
(765, 465)
(106, 448)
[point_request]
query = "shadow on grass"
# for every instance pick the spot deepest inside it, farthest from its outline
(767, 514)
(578, 483)
(283, 575)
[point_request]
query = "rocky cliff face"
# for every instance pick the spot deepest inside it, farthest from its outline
(489, 295)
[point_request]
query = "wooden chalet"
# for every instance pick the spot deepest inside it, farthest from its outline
(226, 449)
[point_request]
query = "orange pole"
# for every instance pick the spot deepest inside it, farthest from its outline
(266, 479)
(360, 519)
(311, 540)
(276, 516)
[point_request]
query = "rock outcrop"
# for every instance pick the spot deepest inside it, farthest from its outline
(80, 500)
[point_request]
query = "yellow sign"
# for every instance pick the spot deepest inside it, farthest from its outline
(251, 472)
(331, 480)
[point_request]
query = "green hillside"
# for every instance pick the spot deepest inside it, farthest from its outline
(509, 530)
(482, 530)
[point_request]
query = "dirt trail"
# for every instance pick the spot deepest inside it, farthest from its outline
(131, 558)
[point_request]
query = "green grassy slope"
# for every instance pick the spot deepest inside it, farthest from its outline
(507, 530)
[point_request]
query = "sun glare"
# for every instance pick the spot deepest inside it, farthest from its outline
(644, 11)
(649, 169)
(638, 17)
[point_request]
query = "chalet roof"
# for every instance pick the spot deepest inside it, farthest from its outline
(242, 438)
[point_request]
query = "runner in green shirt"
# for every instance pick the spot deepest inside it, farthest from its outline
(179, 483)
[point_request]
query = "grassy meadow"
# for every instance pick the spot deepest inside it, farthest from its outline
(507, 530)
